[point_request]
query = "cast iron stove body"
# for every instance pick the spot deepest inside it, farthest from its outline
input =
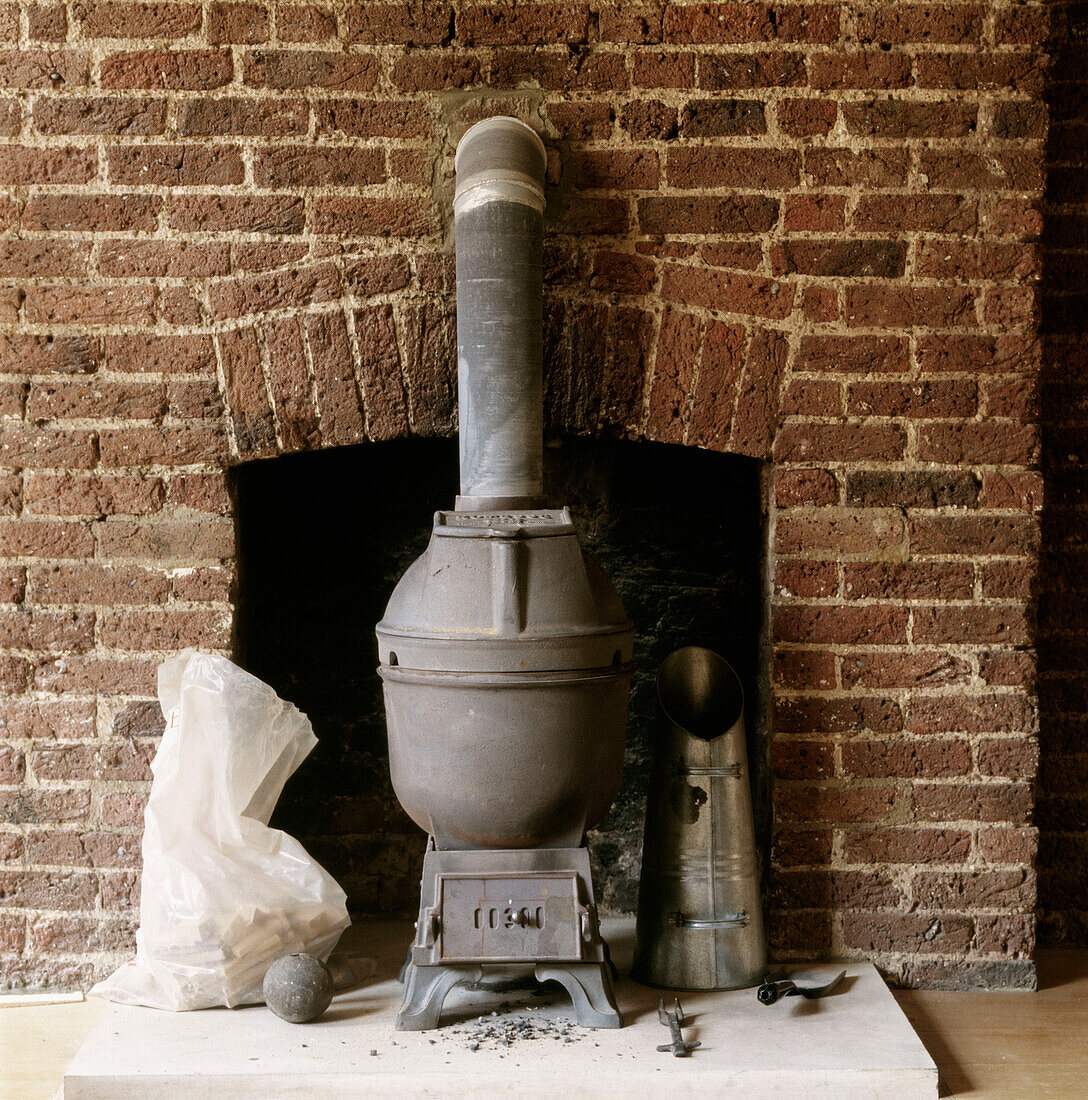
(505, 652)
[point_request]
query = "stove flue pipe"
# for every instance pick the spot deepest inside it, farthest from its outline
(498, 212)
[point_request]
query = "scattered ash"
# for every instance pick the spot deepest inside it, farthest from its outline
(501, 1030)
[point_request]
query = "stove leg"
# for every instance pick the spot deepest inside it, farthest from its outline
(590, 988)
(425, 988)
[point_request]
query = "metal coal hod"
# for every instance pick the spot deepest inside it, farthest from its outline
(700, 923)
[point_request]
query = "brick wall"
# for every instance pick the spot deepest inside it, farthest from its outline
(800, 232)
(1063, 618)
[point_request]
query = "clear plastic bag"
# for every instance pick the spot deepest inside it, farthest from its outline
(222, 895)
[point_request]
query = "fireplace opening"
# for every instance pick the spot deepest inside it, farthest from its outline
(322, 539)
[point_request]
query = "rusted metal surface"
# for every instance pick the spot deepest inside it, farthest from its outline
(700, 923)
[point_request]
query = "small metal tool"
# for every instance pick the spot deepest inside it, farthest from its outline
(775, 987)
(674, 1021)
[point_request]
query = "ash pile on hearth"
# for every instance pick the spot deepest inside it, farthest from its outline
(500, 1030)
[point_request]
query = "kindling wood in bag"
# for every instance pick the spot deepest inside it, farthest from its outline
(222, 894)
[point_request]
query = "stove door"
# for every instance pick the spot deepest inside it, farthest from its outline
(511, 917)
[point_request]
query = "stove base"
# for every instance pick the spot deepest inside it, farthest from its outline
(489, 916)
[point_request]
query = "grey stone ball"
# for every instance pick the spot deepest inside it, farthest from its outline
(298, 988)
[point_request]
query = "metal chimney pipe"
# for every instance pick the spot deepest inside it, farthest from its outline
(498, 210)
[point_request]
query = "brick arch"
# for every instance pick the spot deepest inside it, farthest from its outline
(345, 372)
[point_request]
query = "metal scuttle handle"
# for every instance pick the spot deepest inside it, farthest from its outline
(731, 920)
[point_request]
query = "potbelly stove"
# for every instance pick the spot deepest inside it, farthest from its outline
(505, 652)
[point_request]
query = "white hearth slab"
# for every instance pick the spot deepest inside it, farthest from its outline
(855, 1043)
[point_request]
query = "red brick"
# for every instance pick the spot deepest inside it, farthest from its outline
(908, 932)
(853, 354)
(28, 447)
(845, 625)
(47, 23)
(906, 845)
(300, 166)
(819, 714)
(796, 759)
(123, 809)
(877, 259)
(163, 629)
(656, 69)
(186, 541)
(814, 804)
(716, 167)
(106, 213)
(1008, 936)
(1005, 713)
(617, 170)
(207, 585)
(236, 23)
(948, 890)
(975, 353)
(343, 72)
(838, 442)
(160, 354)
(777, 69)
(806, 579)
(175, 446)
(590, 120)
(290, 385)
(974, 535)
(23, 165)
(906, 759)
(924, 23)
(137, 20)
(868, 168)
(905, 118)
(382, 385)
(628, 23)
(372, 217)
(174, 165)
(908, 581)
(677, 349)
(100, 115)
(989, 802)
(929, 400)
(952, 214)
(907, 307)
(735, 214)
(508, 24)
(245, 117)
(997, 845)
(41, 69)
(407, 24)
(814, 213)
(727, 291)
(801, 487)
(90, 305)
(562, 70)
(801, 118)
(203, 492)
(245, 213)
(307, 23)
(48, 890)
(801, 847)
(1009, 625)
(744, 22)
(842, 534)
(859, 69)
(375, 118)
(262, 293)
(983, 72)
(802, 668)
(174, 70)
(431, 71)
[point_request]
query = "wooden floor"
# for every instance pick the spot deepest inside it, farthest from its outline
(987, 1045)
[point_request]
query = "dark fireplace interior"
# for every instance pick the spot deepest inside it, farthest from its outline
(323, 538)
